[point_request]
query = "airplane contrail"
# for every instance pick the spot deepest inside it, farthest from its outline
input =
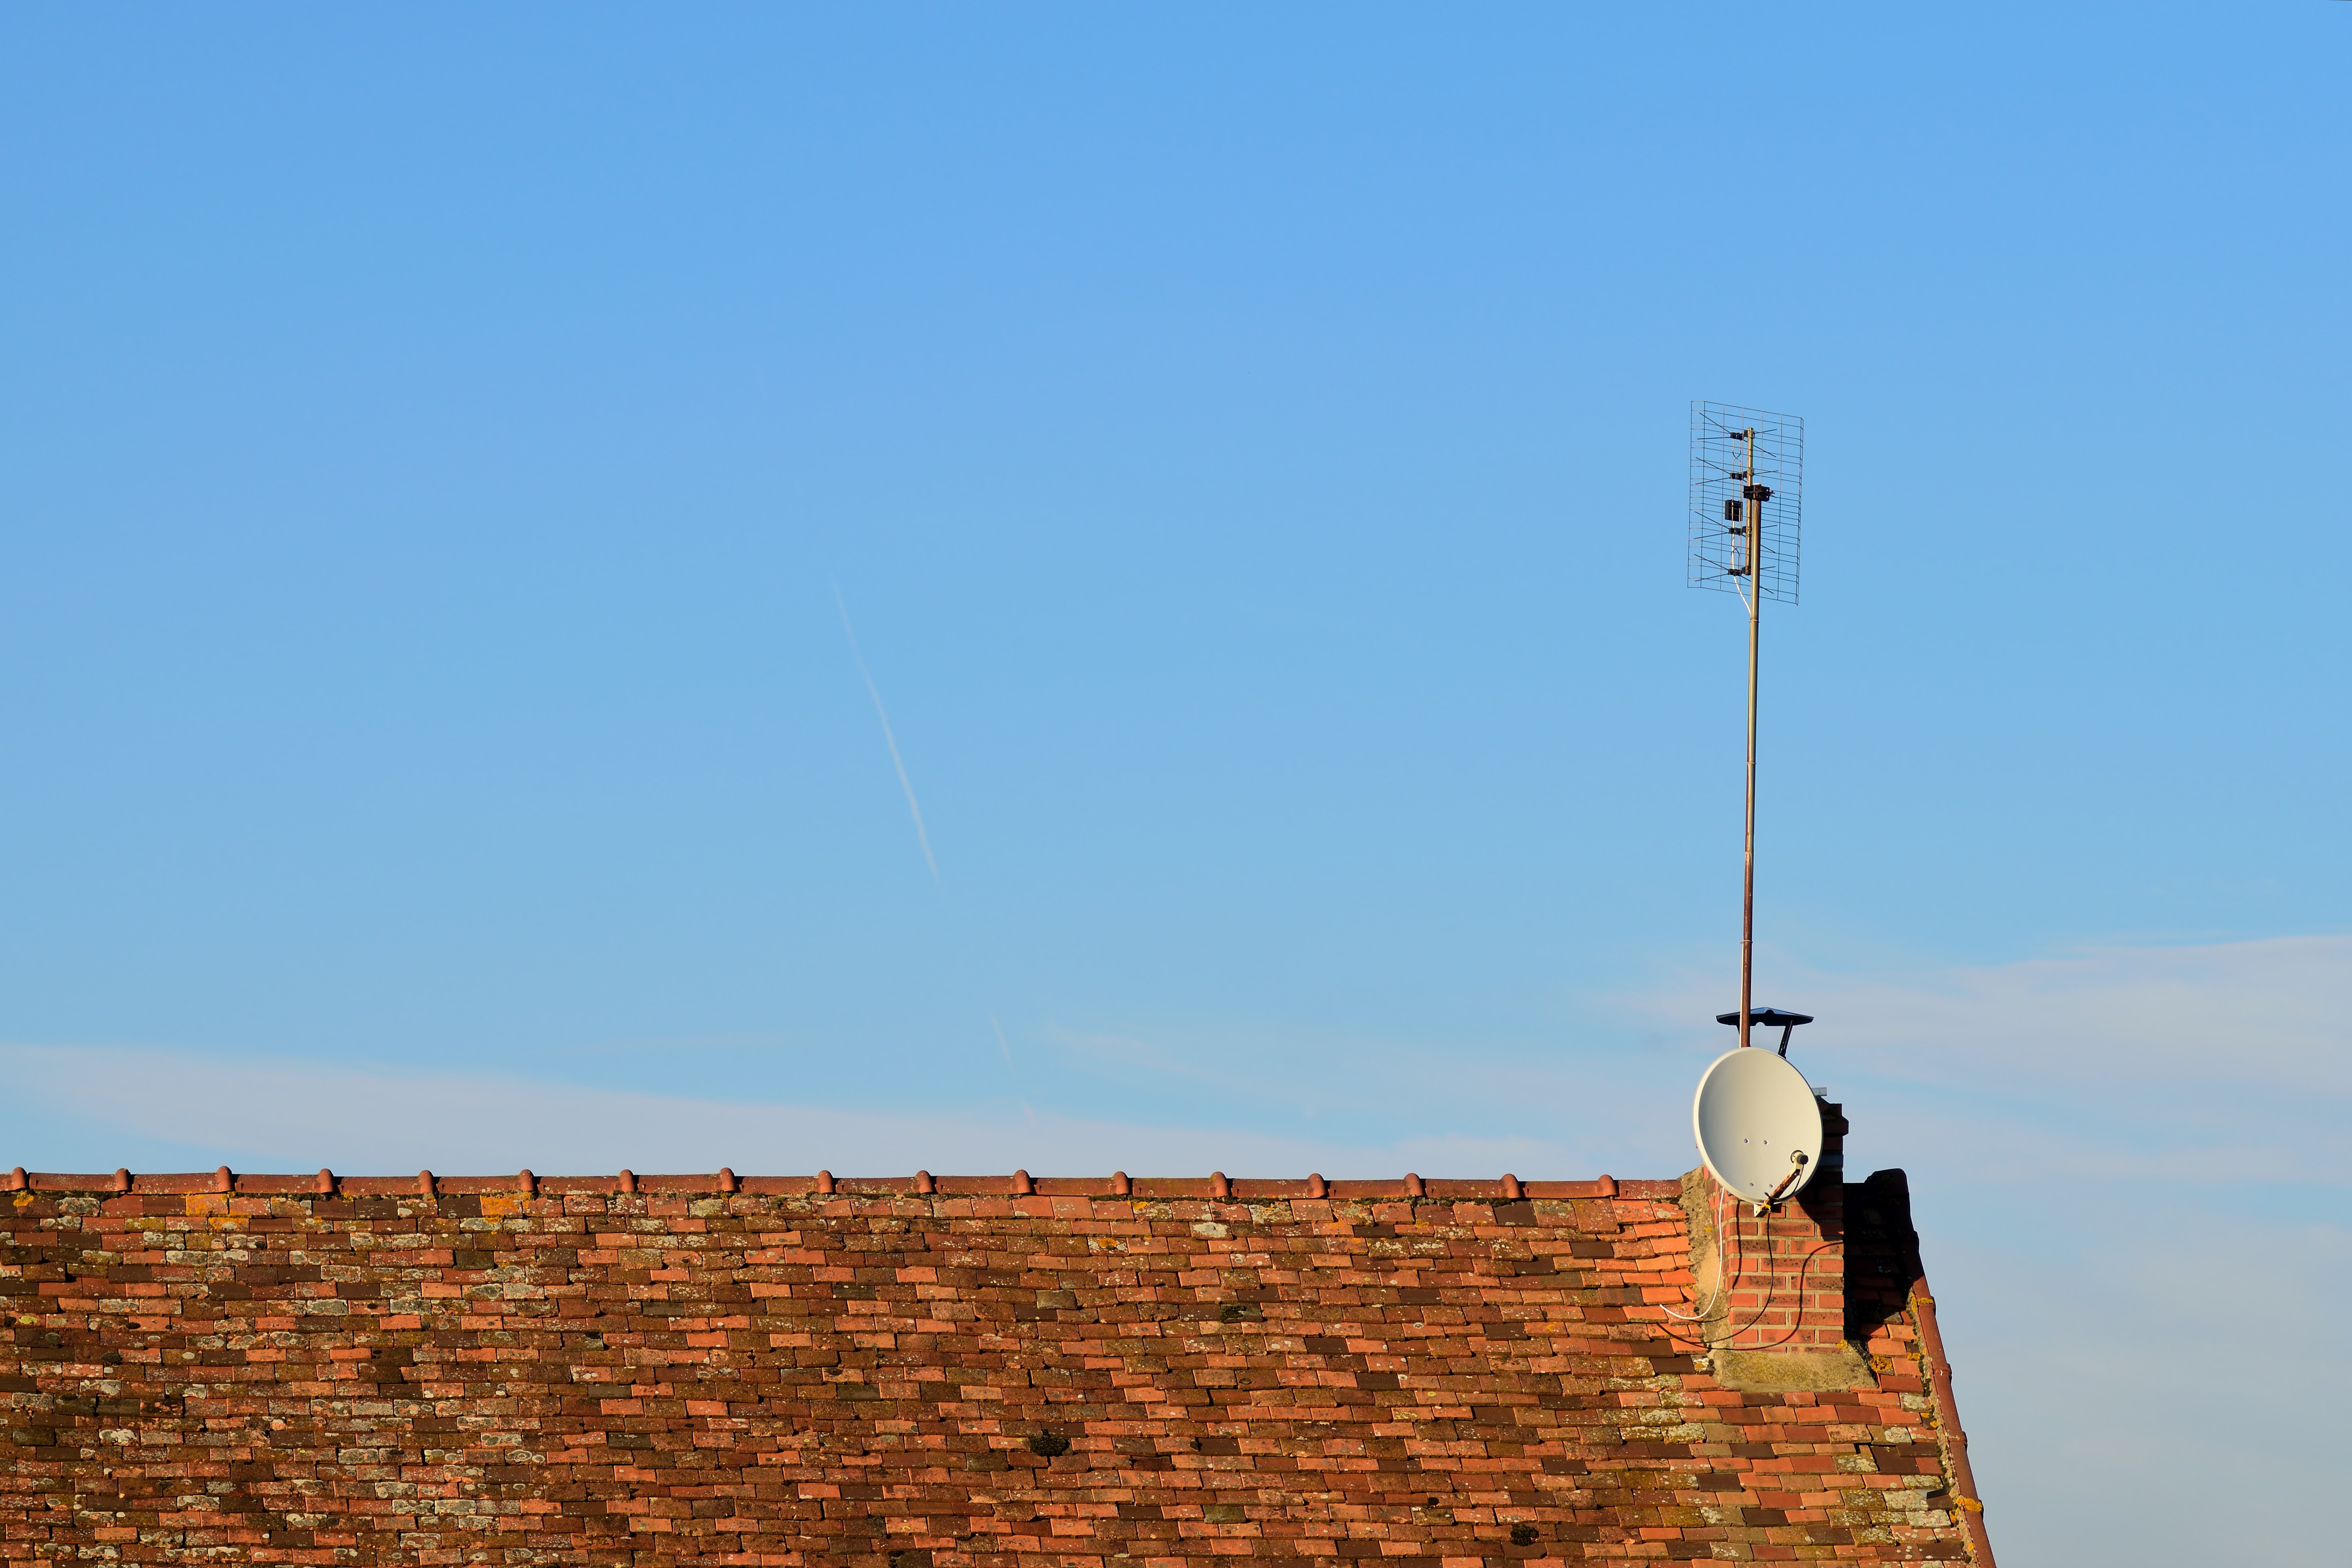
(914, 806)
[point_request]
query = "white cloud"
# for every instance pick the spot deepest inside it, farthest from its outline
(2219, 1064)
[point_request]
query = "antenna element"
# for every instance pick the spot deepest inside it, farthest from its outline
(1747, 507)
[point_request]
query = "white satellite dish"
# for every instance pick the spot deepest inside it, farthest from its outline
(1759, 1126)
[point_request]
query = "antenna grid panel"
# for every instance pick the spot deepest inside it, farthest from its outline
(1747, 487)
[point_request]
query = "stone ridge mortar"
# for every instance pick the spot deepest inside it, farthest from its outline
(653, 1378)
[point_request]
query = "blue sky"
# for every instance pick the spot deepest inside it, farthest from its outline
(1249, 446)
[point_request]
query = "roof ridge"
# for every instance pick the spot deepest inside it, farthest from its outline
(1215, 1186)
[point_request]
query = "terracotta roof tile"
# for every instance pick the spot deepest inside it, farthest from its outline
(993, 1371)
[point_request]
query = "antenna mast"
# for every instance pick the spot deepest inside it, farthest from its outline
(1744, 538)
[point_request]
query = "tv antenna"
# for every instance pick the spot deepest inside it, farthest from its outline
(1746, 490)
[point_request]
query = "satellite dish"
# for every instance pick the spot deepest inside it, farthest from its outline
(1759, 1126)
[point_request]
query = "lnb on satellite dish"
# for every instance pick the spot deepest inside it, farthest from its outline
(1759, 1126)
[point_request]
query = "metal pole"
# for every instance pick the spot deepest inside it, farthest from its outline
(1755, 520)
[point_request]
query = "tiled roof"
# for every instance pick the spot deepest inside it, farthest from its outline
(991, 1371)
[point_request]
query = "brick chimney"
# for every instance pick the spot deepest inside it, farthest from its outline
(1788, 1268)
